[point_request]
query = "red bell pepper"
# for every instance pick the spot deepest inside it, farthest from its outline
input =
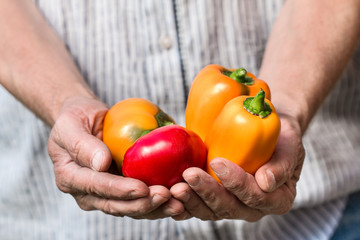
(161, 156)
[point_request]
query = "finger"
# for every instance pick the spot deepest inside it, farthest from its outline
(237, 181)
(192, 202)
(222, 202)
(146, 207)
(77, 139)
(244, 186)
(137, 208)
(285, 163)
(183, 216)
(72, 178)
(171, 208)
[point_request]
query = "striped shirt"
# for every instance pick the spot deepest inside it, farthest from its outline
(153, 49)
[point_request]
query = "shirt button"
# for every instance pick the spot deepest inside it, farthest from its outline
(165, 41)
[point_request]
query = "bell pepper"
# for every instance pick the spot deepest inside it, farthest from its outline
(161, 156)
(128, 120)
(211, 89)
(245, 132)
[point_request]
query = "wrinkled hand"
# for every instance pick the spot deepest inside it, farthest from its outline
(241, 195)
(81, 161)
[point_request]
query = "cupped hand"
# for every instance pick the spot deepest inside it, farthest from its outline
(81, 163)
(240, 195)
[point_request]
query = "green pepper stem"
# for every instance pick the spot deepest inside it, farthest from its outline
(257, 105)
(145, 132)
(239, 75)
(163, 119)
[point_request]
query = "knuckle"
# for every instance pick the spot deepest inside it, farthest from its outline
(61, 180)
(109, 208)
(142, 209)
(209, 196)
(90, 185)
(255, 202)
(285, 172)
(138, 209)
(225, 214)
(235, 186)
(239, 189)
(62, 187)
(288, 173)
(75, 148)
(82, 203)
(107, 190)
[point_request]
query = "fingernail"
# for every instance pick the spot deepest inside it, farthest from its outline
(157, 200)
(193, 181)
(270, 180)
(184, 196)
(170, 211)
(97, 160)
(219, 167)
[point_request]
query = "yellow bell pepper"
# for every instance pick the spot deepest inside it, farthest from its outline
(245, 132)
(211, 89)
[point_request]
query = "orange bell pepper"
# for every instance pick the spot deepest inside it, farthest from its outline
(128, 120)
(211, 89)
(245, 132)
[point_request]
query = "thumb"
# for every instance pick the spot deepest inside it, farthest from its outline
(85, 149)
(89, 151)
(286, 162)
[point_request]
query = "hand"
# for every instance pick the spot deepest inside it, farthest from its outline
(241, 195)
(81, 163)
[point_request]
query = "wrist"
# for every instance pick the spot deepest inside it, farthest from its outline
(290, 95)
(78, 90)
(292, 107)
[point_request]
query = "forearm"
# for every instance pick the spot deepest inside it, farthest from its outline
(34, 64)
(308, 49)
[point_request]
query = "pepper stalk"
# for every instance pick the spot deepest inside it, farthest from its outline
(257, 105)
(239, 75)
